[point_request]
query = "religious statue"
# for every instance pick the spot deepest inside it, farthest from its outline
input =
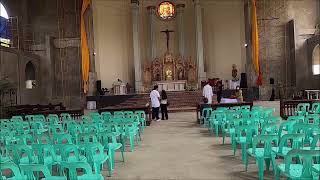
(234, 73)
(169, 75)
(192, 76)
(147, 75)
(180, 74)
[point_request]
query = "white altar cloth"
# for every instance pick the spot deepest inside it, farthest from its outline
(171, 85)
(227, 100)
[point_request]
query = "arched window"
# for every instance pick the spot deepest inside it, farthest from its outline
(4, 31)
(30, 75)
(316, 60)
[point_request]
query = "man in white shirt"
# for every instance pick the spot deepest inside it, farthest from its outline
(155, 103)
(207, 92)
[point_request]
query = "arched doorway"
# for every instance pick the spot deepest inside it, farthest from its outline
(30, 75)
(316, 60)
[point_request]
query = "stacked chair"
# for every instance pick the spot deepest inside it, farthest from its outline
(291, 147)
(56, 147)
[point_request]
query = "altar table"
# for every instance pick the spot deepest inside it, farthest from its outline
(228, 100)
(171, 85)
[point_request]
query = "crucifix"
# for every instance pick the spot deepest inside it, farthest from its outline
(167, 31)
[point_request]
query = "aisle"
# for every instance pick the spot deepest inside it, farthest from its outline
(179, 149)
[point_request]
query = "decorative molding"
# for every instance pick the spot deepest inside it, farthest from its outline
(67, 42)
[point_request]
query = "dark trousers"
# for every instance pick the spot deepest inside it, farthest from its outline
(164, 111)
(219, 97)
(155, 113)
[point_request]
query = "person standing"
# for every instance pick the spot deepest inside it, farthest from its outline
(208, 93)
(155, 103)
(219, 91)
(164, 105)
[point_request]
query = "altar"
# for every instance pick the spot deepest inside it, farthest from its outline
(172, 85)
(170, 73)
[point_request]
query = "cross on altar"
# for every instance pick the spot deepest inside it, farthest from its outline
(167, 31)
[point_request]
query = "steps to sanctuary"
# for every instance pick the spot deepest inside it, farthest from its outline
(178, 101)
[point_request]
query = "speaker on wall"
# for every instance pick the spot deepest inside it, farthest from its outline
(243, 81)
(98, 84)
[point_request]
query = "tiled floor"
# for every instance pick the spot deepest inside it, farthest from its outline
(180, 149)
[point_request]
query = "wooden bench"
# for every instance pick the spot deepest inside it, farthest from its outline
(289, 107)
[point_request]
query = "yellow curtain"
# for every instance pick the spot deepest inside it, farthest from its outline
(255, 42)
(84, 48)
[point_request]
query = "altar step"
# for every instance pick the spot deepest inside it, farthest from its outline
(178, 101)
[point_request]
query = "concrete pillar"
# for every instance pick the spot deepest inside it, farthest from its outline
(48, 69)
(152, 44)
(199, 41)
(180, 18)
(136, 46)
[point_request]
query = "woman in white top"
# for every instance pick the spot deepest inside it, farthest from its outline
(164, 105)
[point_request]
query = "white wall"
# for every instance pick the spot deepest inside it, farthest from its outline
(224, 37)
(113, 41)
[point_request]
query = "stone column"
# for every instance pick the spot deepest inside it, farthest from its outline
(152, 44)
(136, 45)
(180, 18)
(199, 41)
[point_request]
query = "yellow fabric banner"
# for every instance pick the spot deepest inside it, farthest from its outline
(84, 48)
(255, 42)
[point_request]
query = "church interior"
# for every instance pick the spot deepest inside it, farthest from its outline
(240, 80)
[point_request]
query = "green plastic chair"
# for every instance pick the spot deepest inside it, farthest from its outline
(216, 120)
(302, 109)
(271, 128)
(73, 171)
(229, 129)
(46, 155)
(66, 117)
(70, 153)
(4, 155)
(262, 154)
(56, 129)
(246, 107)
(142, 118)
(315, 144)
(106, 116)
(43, 139)
(23, 154)
(244, 137)
(297, 119)
(53, 119)
(307, 129)
(109, 141)
(15, 171)
(118, 114)
(286, 127)
(84, 138)
(61, 138)
(298, 171)
(97, 157)
(287, 143)
(25, 139)
(206, 113)
(312, 119)
(315, 108)
(30, 169)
